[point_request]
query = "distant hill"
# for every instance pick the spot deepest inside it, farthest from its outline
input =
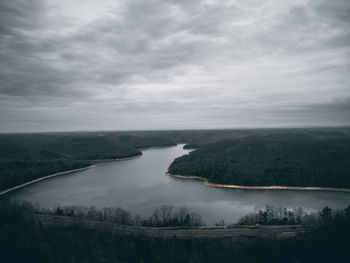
(91, 148)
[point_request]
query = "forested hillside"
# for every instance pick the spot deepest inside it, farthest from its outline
(276, 159)
(25, 157)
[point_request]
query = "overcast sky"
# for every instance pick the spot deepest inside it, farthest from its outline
(167, 64)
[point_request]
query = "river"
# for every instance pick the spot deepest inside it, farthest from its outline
(140, 185)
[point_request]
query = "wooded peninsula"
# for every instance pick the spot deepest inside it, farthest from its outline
(300, 160)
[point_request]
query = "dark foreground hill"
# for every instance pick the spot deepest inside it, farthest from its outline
(23, 239)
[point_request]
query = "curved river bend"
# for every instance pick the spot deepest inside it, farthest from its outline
(140, 185)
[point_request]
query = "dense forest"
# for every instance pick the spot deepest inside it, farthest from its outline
(286, 159)
(25, 157)
(22, 239)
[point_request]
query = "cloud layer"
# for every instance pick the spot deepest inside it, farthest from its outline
(156, 64)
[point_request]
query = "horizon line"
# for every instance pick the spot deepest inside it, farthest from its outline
(176, 129)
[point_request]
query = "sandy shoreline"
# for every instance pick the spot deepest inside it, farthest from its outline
(297, 188)
(46, 177)
(67, 172)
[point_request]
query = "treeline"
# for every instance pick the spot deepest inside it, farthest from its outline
(170, 216)
(198, 139)
(166, 215)
(282, 216)
(279, 159)
(22, 239)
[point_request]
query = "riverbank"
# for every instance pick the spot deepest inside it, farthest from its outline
(231, 186)
(117, 159)
(46, 177)
(67, 172)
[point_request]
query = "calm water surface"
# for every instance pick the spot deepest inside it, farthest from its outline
(140, 185)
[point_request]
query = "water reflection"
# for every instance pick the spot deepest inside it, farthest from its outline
(140, 185)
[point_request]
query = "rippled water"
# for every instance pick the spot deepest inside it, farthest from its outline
(140, 185)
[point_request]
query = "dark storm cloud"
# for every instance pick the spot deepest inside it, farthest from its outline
(24, 71)
(156, 64)
(334, 12)
(20, 15)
